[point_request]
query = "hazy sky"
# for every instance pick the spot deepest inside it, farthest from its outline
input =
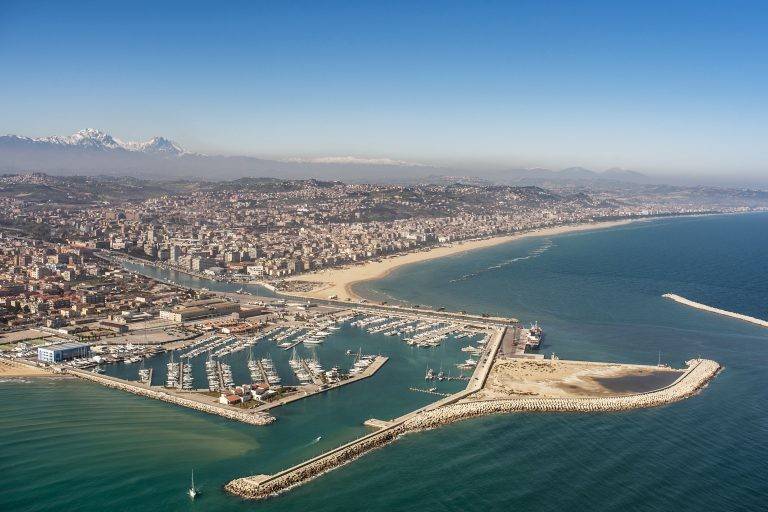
(655, 86)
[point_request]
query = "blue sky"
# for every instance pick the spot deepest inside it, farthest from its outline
(677, 87)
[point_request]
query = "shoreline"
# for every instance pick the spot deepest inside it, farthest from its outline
(10, 368)
(341, 282)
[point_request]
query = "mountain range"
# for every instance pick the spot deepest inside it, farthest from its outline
(93, 152)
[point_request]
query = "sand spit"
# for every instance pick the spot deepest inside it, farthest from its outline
(697, 375)
(544, 378)
(704, 307)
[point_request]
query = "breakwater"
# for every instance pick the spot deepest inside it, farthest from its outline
(697, 375)
(718, 311)
(252, 418)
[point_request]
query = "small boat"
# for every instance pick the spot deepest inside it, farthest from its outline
(193, 491)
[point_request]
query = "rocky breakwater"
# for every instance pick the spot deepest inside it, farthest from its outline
(252, 418)
(264, 486)
(698, 374)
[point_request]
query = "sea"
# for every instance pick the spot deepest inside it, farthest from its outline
(67, 445)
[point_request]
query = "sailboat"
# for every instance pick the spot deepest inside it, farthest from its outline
(193, 491)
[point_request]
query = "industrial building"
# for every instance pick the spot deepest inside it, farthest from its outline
(63, 352)
(199, 309)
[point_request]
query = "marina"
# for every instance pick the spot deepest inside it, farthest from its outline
(216, 371)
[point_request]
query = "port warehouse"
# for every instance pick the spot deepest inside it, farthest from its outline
(198, 309)
(63, 352)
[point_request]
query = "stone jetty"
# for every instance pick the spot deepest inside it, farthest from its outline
(697, 375)
(250, 417)
(717, 311)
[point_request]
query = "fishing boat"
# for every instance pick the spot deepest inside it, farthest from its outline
(144, 374)
(535, 335)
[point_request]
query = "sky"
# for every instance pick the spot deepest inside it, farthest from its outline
(655, 86)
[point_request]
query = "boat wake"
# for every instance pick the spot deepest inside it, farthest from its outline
(315, 441)
(548, 244)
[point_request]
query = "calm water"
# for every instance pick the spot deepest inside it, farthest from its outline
(67, 445)
(195, 282)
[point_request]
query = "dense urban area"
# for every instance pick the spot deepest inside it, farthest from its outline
(268, 229)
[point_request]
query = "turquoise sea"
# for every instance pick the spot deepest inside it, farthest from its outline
(68, 445)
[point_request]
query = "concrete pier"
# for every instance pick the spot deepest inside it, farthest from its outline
(313, 389)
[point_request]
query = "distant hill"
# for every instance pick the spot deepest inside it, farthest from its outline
(92, 152)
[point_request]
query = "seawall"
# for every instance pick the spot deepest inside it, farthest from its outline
(697, 375)
(252, 418)
(704, 307)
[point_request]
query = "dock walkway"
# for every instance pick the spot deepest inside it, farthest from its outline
(313, 389)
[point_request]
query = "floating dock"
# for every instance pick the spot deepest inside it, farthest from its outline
(313, 389)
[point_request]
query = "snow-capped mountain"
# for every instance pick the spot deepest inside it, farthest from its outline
(156, 145)
(88, 138)
(90, 152)
(91, 138)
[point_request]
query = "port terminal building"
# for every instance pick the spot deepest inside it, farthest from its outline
(63, 352)
(195, 310)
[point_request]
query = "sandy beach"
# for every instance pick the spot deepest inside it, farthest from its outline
(541, 378)
(339, 282)
(14, 369)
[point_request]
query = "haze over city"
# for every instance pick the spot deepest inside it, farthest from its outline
(663, 89)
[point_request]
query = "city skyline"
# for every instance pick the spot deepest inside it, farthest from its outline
(478, 87)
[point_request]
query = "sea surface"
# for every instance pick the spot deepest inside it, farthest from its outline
(69, 445)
